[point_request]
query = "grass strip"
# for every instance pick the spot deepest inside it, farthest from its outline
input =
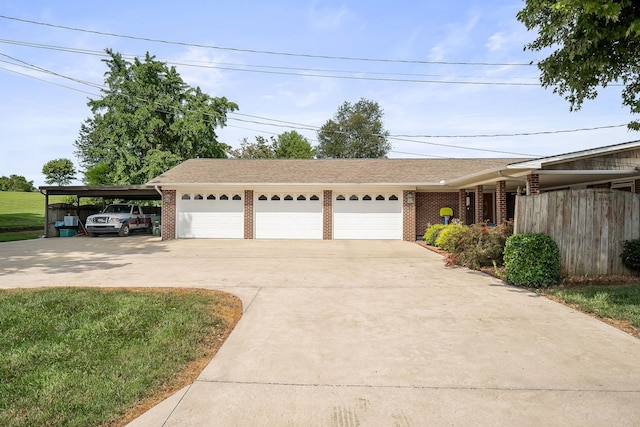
(86, 357)
(614, 302)
(14, 236)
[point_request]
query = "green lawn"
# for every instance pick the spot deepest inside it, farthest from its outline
(86, 357)
(23, 210)
(615, 302)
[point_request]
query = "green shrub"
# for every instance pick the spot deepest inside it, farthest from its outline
(449, 237)
(482, 246)
(631, 254)
(532, 260)
(432, 233)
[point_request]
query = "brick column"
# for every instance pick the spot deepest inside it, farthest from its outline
(409, 215)
(168, 214)
(462, 206)
(327, 215)
(501, 202)
(534, 183)
(478, 217)
(248, 214)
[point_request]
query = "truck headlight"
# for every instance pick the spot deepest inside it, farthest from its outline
(114, 220)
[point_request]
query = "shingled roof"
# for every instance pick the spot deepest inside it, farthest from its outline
(327, 171)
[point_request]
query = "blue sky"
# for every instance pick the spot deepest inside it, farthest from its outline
(424, 102)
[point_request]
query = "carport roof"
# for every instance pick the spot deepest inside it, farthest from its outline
(327, 171)
(125, 192)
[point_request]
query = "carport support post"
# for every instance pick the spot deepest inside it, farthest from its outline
(462, 205)
(46, 214)
(409, 216)
(501, 201)
(248, 214)
(479, 213)
(327, 214)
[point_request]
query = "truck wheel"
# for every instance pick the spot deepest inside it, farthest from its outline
(124, 230)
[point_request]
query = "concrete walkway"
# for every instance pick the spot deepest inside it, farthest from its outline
(354, 333)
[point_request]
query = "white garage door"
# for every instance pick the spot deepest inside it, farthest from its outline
(367, 216)
(211, 215)
(288, 216)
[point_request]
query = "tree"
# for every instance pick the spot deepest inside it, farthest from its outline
(595, 43)
(292, 145)
(356, 131)
(59, 171)
(147, 121)
(261, 149)
(16, 183)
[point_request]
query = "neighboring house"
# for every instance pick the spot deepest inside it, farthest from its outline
(369, 198)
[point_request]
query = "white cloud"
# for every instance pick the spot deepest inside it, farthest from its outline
(328, 18)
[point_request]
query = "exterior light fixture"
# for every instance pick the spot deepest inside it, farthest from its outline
(410, 198)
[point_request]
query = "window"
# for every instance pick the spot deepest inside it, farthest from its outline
(393, 197)
(288, 197)
(211, 197)
(301, 197)
(262, 197)
(340, 197)
(224, 197)
(237, 197)
(186, 197)
(198, 197)
(314, 197)
(366, 197)
(380, 197)
(135, 210)
(276, 197)
(353, 197)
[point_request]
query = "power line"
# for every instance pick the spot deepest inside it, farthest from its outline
(303, 72)
(263, 52)
(500, 135)
(290, 125)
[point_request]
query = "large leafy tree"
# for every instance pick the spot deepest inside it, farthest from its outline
(356, 131)
(147, 121)
(15, 183)
(288, 145)
(594, 43)
(59, 171)
(292, 145)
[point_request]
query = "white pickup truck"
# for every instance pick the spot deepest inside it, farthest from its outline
(118, 218)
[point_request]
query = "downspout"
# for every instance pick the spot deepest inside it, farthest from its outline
(517, 179)
(158, 190)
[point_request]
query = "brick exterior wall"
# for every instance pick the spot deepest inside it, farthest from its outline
(428, 209)
(637, 186)
(168, 214)
(248, 214)
(501, 202)
(409, 215)
(479, 212)
(534, 183)
(327, 215)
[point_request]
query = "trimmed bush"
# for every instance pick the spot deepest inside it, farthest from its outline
(532, 260)
(631, 254)
(449, 237)
(432, 233)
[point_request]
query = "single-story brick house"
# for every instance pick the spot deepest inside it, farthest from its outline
(369, 198)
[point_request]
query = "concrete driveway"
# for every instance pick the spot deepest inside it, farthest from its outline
(360, 333)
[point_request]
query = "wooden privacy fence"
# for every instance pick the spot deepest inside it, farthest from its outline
(588, 225)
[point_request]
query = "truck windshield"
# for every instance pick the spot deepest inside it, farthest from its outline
(117, 209)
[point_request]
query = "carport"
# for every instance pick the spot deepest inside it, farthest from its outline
(113, 192)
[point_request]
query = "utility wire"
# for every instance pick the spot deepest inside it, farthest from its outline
(264, 52)
(220, 65)
(286, 124)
